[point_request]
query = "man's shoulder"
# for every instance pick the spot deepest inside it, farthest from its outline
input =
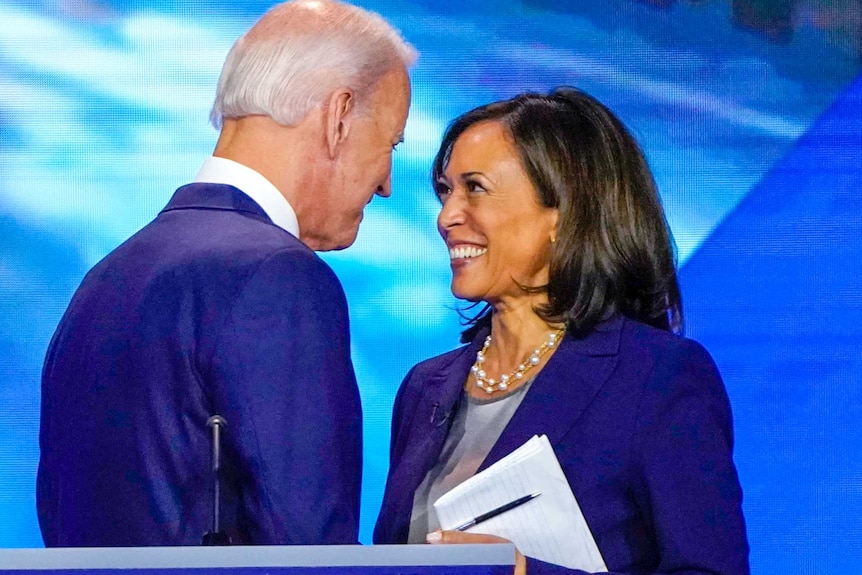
(300, 264)
(211, 235)
(212, 254)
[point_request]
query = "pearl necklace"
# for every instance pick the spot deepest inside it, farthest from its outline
(531, 361)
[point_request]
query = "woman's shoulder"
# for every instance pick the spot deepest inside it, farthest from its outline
(645, 335)
(671, 361)
(664, 352)
(432, 365)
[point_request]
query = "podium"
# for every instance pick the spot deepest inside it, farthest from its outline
(263, 560)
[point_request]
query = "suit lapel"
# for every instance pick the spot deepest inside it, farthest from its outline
(440, 399)
(560, 394)
(563, 389)
(424, 435)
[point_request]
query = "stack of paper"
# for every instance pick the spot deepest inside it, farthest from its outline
(550, 527)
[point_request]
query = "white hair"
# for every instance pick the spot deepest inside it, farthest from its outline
(299, 52)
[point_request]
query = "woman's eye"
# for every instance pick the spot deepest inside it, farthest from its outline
(474, 186)
(442, 192)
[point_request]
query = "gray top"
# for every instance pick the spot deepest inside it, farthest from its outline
(475, 429)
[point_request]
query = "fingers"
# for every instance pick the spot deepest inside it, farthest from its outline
(456, 537)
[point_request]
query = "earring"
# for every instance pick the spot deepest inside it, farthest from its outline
(553, 239)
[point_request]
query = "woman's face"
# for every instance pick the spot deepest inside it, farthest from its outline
(497, 232)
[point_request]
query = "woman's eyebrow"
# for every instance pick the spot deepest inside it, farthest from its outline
(467, 175)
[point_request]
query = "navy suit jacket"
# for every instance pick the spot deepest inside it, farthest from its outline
(641, 424)
(209, 309)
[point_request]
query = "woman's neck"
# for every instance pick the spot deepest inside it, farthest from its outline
(516, 333)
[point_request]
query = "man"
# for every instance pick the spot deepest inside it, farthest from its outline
(220, 306)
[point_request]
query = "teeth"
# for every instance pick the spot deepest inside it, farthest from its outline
(463, 252)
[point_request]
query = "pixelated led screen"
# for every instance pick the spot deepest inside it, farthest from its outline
(750, 112)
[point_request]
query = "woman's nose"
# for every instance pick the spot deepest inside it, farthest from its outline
(451, 213)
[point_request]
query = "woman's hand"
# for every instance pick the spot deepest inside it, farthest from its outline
(456, 537)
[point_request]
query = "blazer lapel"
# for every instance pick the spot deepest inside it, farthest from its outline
(441, 397)
(563, 389)
(425, 433)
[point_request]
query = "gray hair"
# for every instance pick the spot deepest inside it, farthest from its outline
(299, 52)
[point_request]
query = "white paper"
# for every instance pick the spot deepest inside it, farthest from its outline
(550, 527)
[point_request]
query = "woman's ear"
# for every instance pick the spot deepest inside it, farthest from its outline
(554, 220)
(338, 118)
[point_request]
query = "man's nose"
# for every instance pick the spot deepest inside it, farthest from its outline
(384, 190)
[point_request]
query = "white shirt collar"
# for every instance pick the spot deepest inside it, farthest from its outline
(223, 171)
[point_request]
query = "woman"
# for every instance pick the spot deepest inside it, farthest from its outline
(552, 219)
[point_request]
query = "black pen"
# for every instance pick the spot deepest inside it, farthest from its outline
(494, 512)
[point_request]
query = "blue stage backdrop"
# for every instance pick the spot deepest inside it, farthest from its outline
(750, 112)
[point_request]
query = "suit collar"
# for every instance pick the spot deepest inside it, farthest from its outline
(214, 197)
(217, 170)
(604, 339)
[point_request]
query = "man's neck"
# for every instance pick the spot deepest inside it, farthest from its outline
(279, 153)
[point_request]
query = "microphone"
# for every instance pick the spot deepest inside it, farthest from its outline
(444, 415)
(216, 536)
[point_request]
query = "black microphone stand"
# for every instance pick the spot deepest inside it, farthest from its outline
(216, 536)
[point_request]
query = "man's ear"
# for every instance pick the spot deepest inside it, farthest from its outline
(338, 118)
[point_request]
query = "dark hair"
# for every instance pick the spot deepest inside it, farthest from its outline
(614, 251)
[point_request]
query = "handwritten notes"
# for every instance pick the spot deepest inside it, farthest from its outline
(550, 528)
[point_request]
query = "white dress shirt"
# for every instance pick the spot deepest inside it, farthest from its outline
(223, 171)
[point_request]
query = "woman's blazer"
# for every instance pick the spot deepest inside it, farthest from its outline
(641, 424)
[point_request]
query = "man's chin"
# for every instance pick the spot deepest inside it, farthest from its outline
(334, 242)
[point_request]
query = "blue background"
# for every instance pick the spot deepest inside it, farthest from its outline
(751, 119)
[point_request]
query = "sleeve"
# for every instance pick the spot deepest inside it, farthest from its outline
(283, 377)
(684, 481)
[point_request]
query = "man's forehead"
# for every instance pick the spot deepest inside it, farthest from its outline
(392, 101)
